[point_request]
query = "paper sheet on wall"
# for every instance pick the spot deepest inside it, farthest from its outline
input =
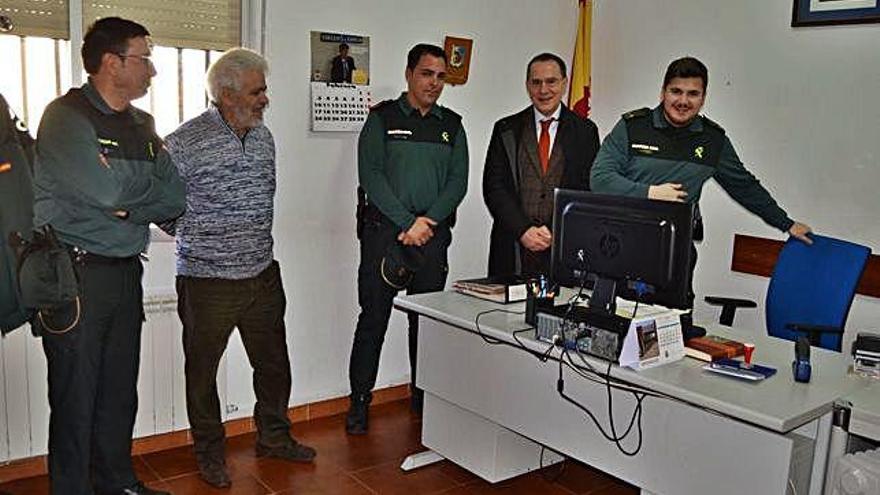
(339, 107)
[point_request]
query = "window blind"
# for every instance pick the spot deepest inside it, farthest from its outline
(199, 24)
(44, 18)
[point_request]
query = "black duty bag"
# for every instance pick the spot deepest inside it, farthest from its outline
(47, 281)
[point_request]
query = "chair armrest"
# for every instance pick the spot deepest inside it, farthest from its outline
(813, 332)
(806, 327)
(728, 307)
(730, 301)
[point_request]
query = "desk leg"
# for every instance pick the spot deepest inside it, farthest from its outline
(421, 459)
(477, 444)
(821, 455)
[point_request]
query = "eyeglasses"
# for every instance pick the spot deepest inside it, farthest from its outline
(550, 81)
(147, 59)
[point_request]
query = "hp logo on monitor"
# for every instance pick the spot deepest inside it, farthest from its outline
(609, 245)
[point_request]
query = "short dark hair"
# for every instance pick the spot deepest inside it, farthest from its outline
(415, 54)
(108, 35)
(545, 57)
(687, 67)
(343, 46)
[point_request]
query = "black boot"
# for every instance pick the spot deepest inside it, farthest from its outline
(357, 419)
(417, 400)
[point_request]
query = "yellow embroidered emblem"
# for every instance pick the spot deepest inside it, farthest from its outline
(445, 137)
(698, 152)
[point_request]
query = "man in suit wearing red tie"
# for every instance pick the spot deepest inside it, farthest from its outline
(530, 154)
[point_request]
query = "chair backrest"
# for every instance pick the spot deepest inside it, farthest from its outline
(814, 284)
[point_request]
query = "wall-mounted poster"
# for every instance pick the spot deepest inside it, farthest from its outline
(340, 58)
(458, 52)
(340, 78)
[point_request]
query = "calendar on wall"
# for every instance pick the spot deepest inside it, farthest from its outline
(339, 107)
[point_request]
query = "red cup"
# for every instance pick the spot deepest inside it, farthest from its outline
(748, 349)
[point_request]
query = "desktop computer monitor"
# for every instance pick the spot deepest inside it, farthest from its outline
(635, 248)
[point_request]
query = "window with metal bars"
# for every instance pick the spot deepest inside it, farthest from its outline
(36, 70)
(35, 54)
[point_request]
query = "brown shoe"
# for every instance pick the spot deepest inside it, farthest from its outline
(294, 452)
(213, 472)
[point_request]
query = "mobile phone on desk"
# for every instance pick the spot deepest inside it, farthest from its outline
(736, 369)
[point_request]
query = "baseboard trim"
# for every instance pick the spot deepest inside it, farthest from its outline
(36, 466)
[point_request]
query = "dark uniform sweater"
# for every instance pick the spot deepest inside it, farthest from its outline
(412, 165)
(644, 150)
(92, 161)
(16, 210)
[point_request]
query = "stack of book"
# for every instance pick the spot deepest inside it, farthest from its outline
(713, 347)
(499, 290)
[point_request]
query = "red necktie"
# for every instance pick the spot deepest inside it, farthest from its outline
(544, 144)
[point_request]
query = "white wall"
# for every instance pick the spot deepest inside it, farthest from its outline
(317, 172)
(800, 106)
(315, 239)
(314, 229)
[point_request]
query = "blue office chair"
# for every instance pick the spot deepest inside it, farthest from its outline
(810, 292)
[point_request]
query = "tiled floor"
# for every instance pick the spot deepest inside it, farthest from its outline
(349, 465)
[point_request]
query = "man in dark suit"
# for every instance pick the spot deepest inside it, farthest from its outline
(343, 66)
(530, 154)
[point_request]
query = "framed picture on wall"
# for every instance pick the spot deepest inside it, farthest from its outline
(458, 52)
(830, 12)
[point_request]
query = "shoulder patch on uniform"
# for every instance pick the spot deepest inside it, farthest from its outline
(449, 113)
(711, 123)
(382, 104)
(641, 112)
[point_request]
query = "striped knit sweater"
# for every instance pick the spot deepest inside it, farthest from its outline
(226, 230)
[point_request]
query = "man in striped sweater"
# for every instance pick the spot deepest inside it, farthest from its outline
(226, 274)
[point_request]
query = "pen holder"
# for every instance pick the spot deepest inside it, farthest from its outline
(535, 304)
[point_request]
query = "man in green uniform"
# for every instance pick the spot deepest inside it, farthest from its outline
(668, 153)
(102, 175)
(16, 210)
(413, 166)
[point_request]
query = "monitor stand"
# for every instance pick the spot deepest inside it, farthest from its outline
(604, 298)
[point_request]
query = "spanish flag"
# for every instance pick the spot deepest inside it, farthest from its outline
(579, 85)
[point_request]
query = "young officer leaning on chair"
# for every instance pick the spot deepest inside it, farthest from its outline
(670, 151)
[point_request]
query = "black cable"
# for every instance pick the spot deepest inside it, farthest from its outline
(486, 338)
(544, 356)
(635, 418)
(613, 436)
(636, 413)
(588, 372)
(562, 464)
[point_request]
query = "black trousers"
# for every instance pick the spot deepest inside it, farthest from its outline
(93, 372)
(375, 298)
(210, 308)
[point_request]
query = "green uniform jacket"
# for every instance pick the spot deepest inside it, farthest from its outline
(410, 165)
(92, 161)
(16, 210)
(644, 150)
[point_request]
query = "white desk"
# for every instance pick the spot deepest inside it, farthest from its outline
(490, 408)
(864, 406)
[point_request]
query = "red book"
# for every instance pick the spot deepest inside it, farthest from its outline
(712, 347)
